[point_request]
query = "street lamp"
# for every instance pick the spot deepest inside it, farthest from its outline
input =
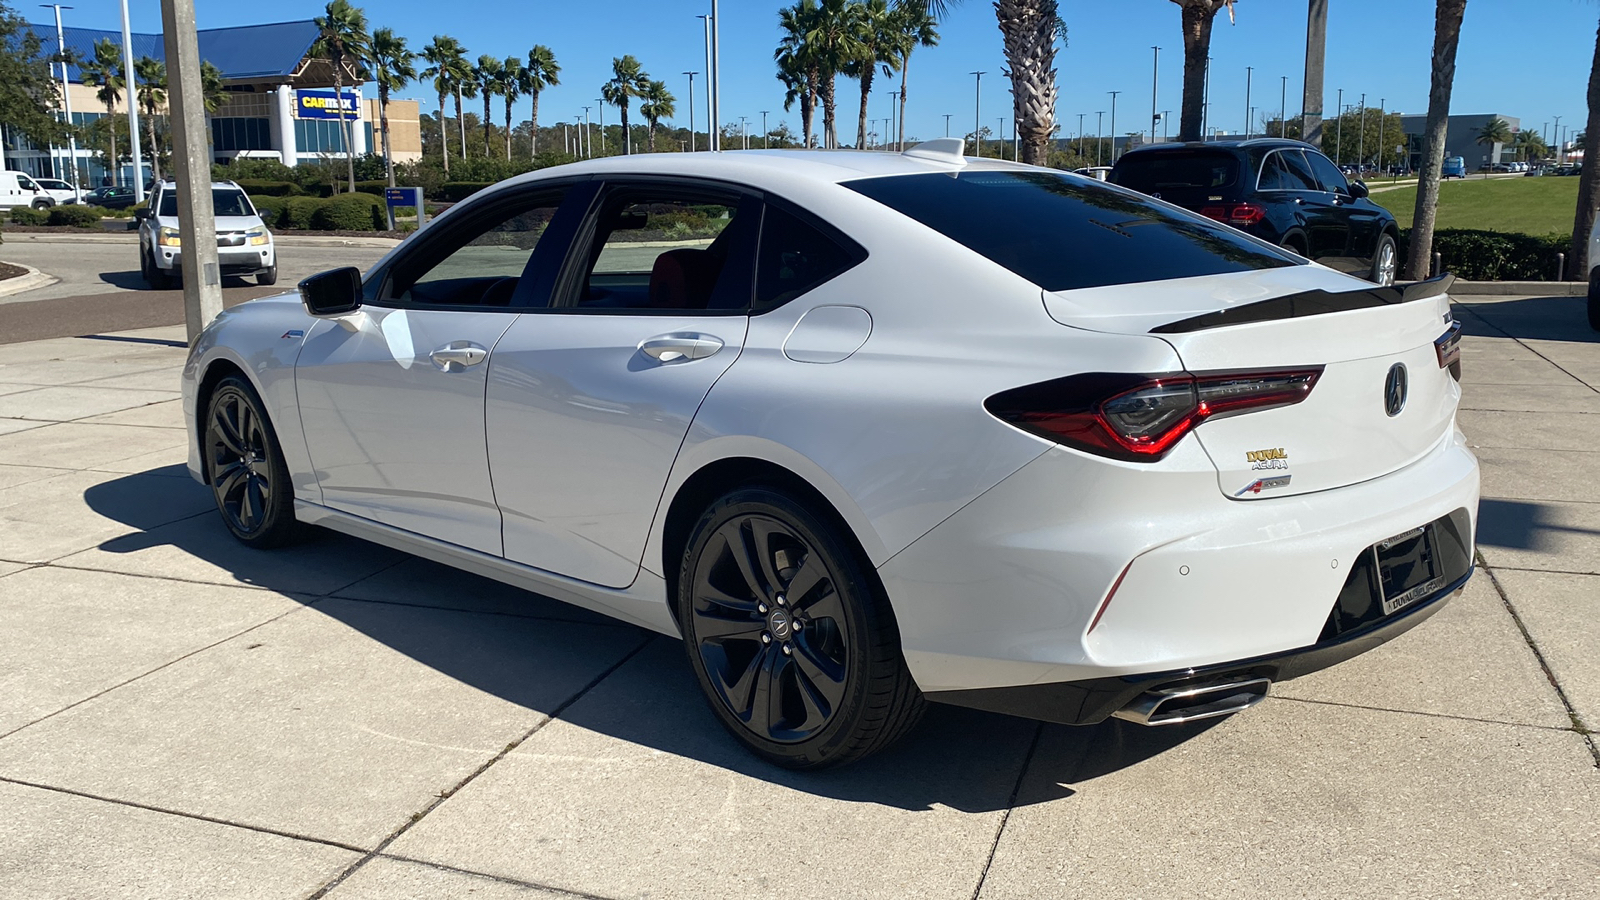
(1249, 111)
(1155, 78)
(1561, 147)
(766, 136)
(1338, 129)
(1205, 108)
(977, 114)
(691, 109)
(1283, 109)
(1099, 120)
(888, 130)
(711, 110)
(744, 133)
(588, 136)
(602, 125)
(66, 100)
(1381, 103)
(1166, 116)
(1361, 143)
(947, 124)
(133, 108)
(1113, 125)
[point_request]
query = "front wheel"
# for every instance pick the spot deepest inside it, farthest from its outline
(153, 274)
(267, 276)
(790, 635)
(245, 468)
(41, 204)
(1384, 262)
(1594, 299)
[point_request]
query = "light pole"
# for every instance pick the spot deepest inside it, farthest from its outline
(947, 124)
(716, 71)
(1249, 111)
(1283, 109)
(602, 107)
(890, 129)
(1381, 102)
(66, 100)
(587, 142)
(766, 136)
(1361, 137)
(691, 109)
(131, 85)
(977, 115)
(1166, 116)
(1099, 120)
(711, 111)
(1338, 128)
(1205, 106)
(744, 133)
(1561, 149)
(1080, 133)
(1155, 79)
(1000, 138)
(1113, 125)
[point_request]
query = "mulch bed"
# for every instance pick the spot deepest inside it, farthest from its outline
(7, 270)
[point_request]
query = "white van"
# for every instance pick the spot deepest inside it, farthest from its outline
(17, 189)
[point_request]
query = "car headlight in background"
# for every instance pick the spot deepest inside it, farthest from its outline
(167, 237)
(258, 237)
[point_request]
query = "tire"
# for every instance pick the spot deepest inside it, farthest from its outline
(268, 276)
(1385, 262)
(1594, 298)
(244, 467)
(42, 204)
(827, 664)
(153, 276)
(1293, 245)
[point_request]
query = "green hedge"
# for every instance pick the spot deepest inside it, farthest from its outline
(373, 187)
(299, 211)
(22, 215)
(78, 216)
(460, 190)
(1495, 255)
(270, 208)
(350, 212)
(256, 187)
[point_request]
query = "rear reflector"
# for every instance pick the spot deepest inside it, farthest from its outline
(1139, 418)
(1236, 214)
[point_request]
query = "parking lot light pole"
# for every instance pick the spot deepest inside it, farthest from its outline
(977, 115)
(691, 109)
(947, 124)
(1099, 132)
(197, 226)
(1283, 109)
(1361, 137)
(1338, 128)
(1381, 102)
(601, 105)
(1205, 105)
(1555, 134)
(1249, 111)
(1155, 80)
(586, 143)
(1113, 125)
(131, 86)
(66, 107)
(766, 136)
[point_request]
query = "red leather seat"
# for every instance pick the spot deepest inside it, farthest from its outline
(683, 279)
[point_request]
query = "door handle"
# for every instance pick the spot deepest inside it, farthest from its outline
(457, 355)
(683, 347)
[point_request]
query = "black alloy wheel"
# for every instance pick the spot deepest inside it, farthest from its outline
(790, 636)
(245, 469)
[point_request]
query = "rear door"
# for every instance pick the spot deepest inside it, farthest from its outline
(1361, 219)
(590, 399)
(1327, 227)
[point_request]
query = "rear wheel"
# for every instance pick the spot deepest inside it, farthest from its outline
(789, 634)
(1594, 298)
(1295, 245)
(245, 468)
(1384, 262)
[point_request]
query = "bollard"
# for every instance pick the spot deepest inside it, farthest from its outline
(1561, 267)
(1438, 264)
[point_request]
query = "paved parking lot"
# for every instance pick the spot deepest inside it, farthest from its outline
(183, 717)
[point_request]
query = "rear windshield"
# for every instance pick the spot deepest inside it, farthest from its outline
(1064, 232)
(224, 202)
(1176, 173)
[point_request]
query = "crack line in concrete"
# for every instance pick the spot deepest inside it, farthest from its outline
(503, 879)
(1418, 712)
(1011, 803)
(473, 775)
(1519, 342)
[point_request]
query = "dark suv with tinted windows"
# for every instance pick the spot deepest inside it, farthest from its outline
(1282, 191)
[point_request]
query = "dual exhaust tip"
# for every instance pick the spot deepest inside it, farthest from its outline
(1191, 702)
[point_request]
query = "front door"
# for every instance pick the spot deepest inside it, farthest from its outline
(590, 400)
(391, 396)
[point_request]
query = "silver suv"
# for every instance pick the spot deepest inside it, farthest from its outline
(244, 245)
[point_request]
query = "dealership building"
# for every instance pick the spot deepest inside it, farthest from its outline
(280, 103)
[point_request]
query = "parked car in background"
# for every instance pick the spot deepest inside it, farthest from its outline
(1454, 167)
(58, 191)
(1098, 173)
(244, 245)
(111, 197)
(1282, 191)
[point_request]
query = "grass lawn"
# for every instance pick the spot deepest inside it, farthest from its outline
(1537, 206)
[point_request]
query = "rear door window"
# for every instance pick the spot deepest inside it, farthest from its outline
(1328, 174)
(796, 256)
(1065, 233)
(1294, 171)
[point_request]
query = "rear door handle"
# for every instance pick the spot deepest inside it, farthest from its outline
(457, 355)
(680, 347)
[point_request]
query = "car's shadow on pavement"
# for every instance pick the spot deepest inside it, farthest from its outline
(456, 623)
(1533, 318)
(133, 280)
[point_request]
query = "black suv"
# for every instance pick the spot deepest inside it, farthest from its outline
(1281, 191)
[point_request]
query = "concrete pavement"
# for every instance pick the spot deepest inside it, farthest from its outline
(187, 718)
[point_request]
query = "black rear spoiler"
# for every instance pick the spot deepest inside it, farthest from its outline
(1311, 303)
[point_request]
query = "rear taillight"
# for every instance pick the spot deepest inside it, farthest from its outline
(1140, 417)
(1235, 214)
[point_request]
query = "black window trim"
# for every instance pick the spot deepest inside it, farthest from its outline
(1264, 161)
(856, 253)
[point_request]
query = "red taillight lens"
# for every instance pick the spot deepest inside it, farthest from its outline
(1140, 417)
(1235, 214)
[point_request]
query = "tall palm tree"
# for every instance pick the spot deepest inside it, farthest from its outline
(445, 59)
(508, 84)
(393, 67)
(1030, 30)
(486, 78)
(1494, 131)
(342, 40)
(833, 41)
(1530, 145)
(627, 78)
(918, 28)
(213, 93)
(797, 64)
(151, 78)
(1588, 191)
(104, 70)
(881, 41)
(656, 103)
(541, 72)
(1198, 16)
(1447, 18)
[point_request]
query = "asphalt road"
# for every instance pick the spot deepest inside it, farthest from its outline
(101, 290)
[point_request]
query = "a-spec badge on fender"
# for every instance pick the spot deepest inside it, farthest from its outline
(292, 333)
(1264, 484)
(1273, 458)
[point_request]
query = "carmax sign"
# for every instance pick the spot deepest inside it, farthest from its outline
(324, 104)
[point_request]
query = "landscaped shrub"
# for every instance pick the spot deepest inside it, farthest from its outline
(270, 208)
(77, 216)
(373, 187)
(298, 212)
(350, 212)
(1495, 255)
(260, 188)
(461, 190)
(22, 215)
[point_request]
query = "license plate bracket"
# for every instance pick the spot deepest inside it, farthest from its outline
(1408, 568)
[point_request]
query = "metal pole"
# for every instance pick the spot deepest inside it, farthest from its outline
(1080, 133)
(1249, 111)
(602, 108)
(1166, 116)
(1113, 125)
(1099, 134)
(890, 128)
(1338, 128)
(716, 68)
(588, 137)
(1361, 136)
(1000, 138)
(1381, 102)
(744, 133)
(66, 105)
(1555, 133)
(947, 124)
(711, 114)
(766, 136)
(1283, 109)
(1205, 106)
(691, 109)
(977, 115)
(197, 225)
(1155, 79)
(130, 85)
(461, 119)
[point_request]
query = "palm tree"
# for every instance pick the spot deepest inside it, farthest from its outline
(542, 71)
(486, 79)
(626, 80)
(446, 60)
(1494, 131)
(151, 78)
(1446, 36)
(880, 46)
(797, 65)
(393, 67)
(1530, 145)
(342, 38)
(104, 70)
(656, 103)
(1588, 190)
(1198, 16)
(918, 28)
(508, 84)
(1029, 30)
(833, 41)
(212, 91)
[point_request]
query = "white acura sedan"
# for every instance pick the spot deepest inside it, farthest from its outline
(868, 430)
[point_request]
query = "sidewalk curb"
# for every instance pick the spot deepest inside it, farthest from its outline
(1520, 288)
(132, 237)
(34, 279)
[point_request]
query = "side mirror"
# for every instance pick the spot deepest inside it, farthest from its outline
(332, 293)
(1358, 190)
(142, 214)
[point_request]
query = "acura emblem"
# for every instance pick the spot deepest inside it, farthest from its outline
(1395, 389)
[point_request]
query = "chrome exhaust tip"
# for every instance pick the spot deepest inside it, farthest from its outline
(1192, 702)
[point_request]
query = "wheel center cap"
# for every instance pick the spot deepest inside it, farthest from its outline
(780, 624)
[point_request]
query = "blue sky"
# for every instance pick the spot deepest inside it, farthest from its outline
(1524, 58)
